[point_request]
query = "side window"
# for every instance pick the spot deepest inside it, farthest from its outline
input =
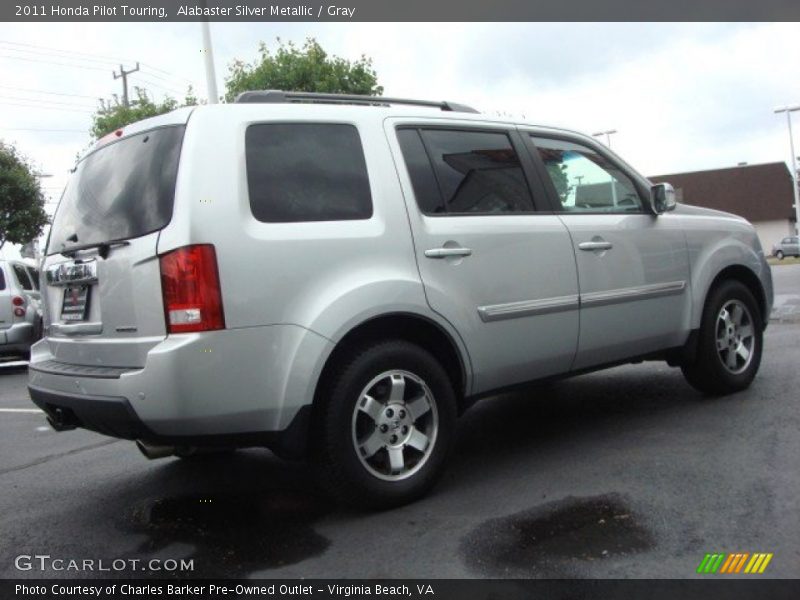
(306, 172)
(2, 279)
(22, 277)
(34, 275)
(426, 190)
(474, 172)
(585, 180)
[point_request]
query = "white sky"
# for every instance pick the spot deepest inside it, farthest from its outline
(681, 96)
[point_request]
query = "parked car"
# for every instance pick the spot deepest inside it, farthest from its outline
(340, 277)
(20, 308)
(788, 246)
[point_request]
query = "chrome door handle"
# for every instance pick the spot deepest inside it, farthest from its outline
(595, 246)
(445, 252)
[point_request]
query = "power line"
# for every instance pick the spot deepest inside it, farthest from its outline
(58, 55)
(19, 89)
(44, 101)
(41, 129)
(105, 58)
(86, 112)
(51, 62)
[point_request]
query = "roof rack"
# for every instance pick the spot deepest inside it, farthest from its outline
(281, 97)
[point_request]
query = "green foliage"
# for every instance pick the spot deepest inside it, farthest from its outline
(306, 69)
(22, 214)
(558, 173)
(113, 115)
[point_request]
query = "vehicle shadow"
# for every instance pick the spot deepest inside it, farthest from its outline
(250, 511)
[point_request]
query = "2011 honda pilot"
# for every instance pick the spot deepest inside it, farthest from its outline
(339, 277)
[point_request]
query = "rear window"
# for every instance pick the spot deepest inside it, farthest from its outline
(123, 190)
(306, 172)
(22, 277)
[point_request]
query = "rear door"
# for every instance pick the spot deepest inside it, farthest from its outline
(633, 266)
(101, 274)
(502, 273)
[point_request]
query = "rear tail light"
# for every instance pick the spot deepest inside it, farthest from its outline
(19, 311)
(18, 301)
(191, 291)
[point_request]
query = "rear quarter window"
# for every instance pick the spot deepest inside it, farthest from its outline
(2, 279)
(22, 277)
(306, 172)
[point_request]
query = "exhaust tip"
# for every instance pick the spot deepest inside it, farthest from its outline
(153, 451)
(61, 420)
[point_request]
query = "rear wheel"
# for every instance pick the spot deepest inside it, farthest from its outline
(779, 254)
(730, 341)
(385, 425)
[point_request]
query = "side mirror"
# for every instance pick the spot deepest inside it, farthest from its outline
(662, 198)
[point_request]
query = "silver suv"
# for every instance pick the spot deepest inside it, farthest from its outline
(788, 246)
(20, 308)
(340, 277)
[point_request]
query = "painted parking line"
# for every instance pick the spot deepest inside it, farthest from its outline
(33, 411)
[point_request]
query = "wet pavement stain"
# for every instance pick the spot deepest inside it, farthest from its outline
(557, 539)
(231, 535)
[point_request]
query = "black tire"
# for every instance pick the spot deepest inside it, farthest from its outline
(708, 372)
(779, 255)
(348, 475)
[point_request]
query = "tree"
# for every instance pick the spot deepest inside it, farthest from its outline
(22, 214)
(113, 115)
(306, 69)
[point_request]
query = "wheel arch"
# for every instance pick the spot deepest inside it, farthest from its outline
(412, 327)
(749, 279)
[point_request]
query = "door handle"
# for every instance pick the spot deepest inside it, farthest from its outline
(595, 245)
(445, 252)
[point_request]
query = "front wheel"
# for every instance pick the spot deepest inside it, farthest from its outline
(385, 425)
(779, 254)
(730, 341)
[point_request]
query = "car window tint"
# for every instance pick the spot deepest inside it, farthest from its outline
(585, 180)
(306, 172)
(426, 190)
(22, 277)
(34, 275)
(477, 172)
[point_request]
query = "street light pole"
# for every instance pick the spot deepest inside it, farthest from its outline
(789, 110)
(208, 55)
(608, 133)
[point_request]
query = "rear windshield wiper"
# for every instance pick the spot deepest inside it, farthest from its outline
(102, 248)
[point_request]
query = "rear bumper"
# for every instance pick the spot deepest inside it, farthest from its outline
(242, 382)
(17, 338)
(115, 417)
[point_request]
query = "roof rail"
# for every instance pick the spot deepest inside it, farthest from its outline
(281, 97)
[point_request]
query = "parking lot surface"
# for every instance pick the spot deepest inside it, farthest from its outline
(622, 473)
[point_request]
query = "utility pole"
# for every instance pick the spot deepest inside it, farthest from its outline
(124, 75)
(789, 110)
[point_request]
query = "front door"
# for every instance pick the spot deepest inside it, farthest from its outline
(633, 266)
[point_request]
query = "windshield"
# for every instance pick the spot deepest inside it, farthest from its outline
(123, 190)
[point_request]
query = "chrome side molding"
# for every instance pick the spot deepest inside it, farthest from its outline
(527, 308)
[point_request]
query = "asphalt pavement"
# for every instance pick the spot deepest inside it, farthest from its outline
(623, 473)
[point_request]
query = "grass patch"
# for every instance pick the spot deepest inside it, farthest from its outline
(789, 260)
